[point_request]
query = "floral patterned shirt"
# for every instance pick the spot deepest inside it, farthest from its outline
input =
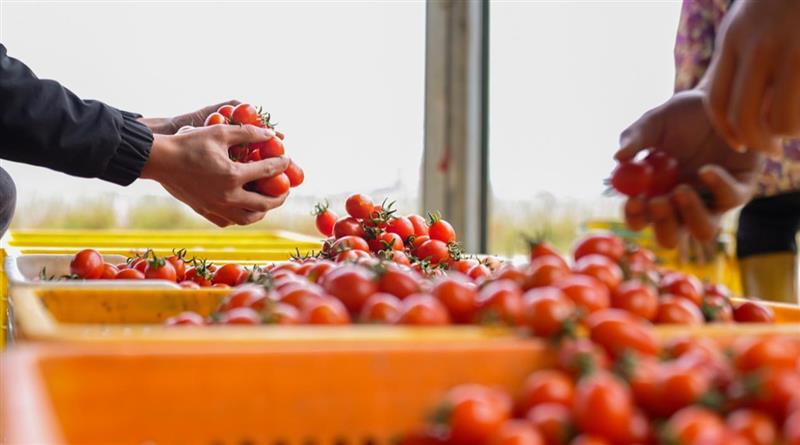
(694, 46)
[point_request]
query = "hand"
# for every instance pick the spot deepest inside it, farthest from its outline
(171, 125)
(193, 166)
(753, 82)
(682, 128)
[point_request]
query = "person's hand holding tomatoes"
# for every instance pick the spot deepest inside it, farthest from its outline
(194, 167)
(753, 83)
(171, 125)
(681, 128)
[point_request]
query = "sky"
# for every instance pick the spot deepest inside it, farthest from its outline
(345, 81)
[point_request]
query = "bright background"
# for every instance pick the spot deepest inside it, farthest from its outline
(345, 81)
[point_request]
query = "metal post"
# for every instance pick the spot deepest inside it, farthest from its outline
(455, 165)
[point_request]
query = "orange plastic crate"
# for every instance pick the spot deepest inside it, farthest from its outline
(301, 394)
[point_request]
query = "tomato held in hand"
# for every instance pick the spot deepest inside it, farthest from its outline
(665, 173)
(245, 114)
(632, 178)
(295, 174)
(274, 186)
(215, 119)
(226, 110)
(359, 206)
(87, 264)
(271, 148)
(603, 406)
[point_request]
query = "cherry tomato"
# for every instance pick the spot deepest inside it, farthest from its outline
(463, 265)
(500, 302)
(352, 285)
(618, 331)
(347, 225)
(681, 285)
(380, 308)
(87, 264)
(274, 186)
(600, 244)
(640, 260)
(283, 314)
(479, 273)
(476, 413)
(251, 296)
(600, 267)
(677, 310)
(717, 308)
(717, 289)
(246, 114)
(553, 421)
(220, 286)
(187, 284)
(694, 426)
(516, 432)
(637, 298)
(399, 257)
(755, 426)
(179, 265)
(588, 293)
(632, 178)
(546, 386)
(459, 296)
(390, 241)
(349, 242)
(665, 173)
(327, 311)
(359, 206)
(401, 226)
(539, 248)
(352, 256)
(299, 294)
(581, 357)
(295, 174)
(680, 386)
(319, 270)
(762, 352)
(546, 270)
(420, 225)
(186, 319)
(241, 315)
(129, 274)
(418, 241)
(398, 283)
(509, 272)
(110, 272)
(231, 274)
(441, 230)
(753, 312)
(422, 310)
(603, 406)
(215, 119)
(325, 219)
(160, 269)
(434, 251)
(548, 310)
(201, 276)
(772, 390)
(226, 110)
(791, 429)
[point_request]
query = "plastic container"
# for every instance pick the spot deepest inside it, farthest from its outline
(299, 394)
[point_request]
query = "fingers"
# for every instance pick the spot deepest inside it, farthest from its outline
(256, 202)
(664, 222)
(217, 220)
(636, 213)
(644, 133)
(242, 134)
(784, 114)
(694, 214)
(266, 168)
(746, 102)
(727, 191)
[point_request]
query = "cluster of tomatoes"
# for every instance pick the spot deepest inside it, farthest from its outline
(686, 392)
(654, 175)
(246, 114)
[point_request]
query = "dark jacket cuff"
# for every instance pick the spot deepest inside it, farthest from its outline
(132, 152)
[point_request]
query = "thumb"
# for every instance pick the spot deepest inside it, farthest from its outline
(244, 134)
(727, 191)
(642, 134)
(266, 168)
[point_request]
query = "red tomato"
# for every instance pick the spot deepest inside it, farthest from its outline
(319, 271)
(600, 244)
(186, 319)
(390, 241)
(640, 260)
(680, 386)
(418, 241)
(694, 426)
(295, 174)
(772, 390)
(717, 289)
(581, 357)
(637, 298)
(644, 379)
(632, 178)
(246, 114)
(459, 296)
(639, 429)
(230, 274)
(618, 331)
(401, 226)
(585, 439)
(753, 312)
(349, 242)
(299, 294)
(755, 426)
(546, 271)
(220, 286)
(665, 173)
(479, 272)
(187, 284)
(251, 296)
(398, 283)
(500, 302)
(588, 294)
(352, 256)
(677, 310)
(546, 386)
(791, 429)
(717, 308)
(517, 432)
(215, 119)
(226, 110)
(110, 272)
(509, 272)
(475, 414)
(434, 251)
(160, 269)
(380, 308)
(241, 315)
(600, 267)
(681, 285)
(441, 230)
(548, 311)
(464, 265)
(422, 310)
(762, 352)
(129, 274)
(359, 206)
(399, 257)
(201, 276)
(539, 248)
(326, 311)
(553, 421)
(325, 219)
(271, 148)
(87, 264)
(352, 285)
(347, 225)
(420, 225)
(179, 265)
(603, 406)
(283, 314)
(274, 186)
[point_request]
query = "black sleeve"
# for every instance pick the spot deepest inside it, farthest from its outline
(42, 123)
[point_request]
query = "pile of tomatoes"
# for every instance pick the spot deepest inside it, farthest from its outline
(246, 114)
(654, 175)
(688, 391)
